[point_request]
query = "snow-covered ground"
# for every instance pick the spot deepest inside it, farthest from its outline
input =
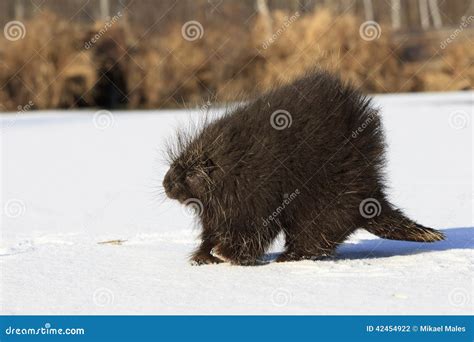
(71, 180)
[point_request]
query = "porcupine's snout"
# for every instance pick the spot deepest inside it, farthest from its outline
(173, 186)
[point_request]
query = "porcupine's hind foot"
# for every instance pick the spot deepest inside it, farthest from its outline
(243, 247)
(306, 239)
(305, 251)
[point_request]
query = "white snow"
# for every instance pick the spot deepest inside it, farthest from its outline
(67, 185)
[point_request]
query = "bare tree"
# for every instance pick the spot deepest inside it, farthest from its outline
(104, 9)
(19, 9)
(424, 14)
(434, 9)
(395, 12)
(264, 12)
(368, 10)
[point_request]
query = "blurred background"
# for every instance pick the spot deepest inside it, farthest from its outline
(139, 54)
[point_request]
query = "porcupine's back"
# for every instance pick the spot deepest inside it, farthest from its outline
(316, 132)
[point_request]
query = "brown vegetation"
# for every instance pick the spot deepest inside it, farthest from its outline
(53, 67)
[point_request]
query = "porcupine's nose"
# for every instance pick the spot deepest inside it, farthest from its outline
(170, 185)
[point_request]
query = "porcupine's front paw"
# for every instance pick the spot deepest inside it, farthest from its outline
(204, 258)
(219, 252)
(226, 255)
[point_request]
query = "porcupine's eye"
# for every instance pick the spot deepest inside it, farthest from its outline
(199, 178)
(195, 184)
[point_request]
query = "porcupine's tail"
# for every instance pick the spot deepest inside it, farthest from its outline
(394, 225)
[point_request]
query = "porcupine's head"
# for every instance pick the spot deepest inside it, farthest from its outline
(192, 172)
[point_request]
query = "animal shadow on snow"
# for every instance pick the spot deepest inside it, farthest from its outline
(455, 238)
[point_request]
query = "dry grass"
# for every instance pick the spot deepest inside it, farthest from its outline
(453, 70)
(51, 68)
(321, 40)
(39, 67)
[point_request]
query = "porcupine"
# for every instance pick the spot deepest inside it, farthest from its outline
(305, 159)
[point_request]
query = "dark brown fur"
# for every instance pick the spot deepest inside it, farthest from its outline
(312, 177)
